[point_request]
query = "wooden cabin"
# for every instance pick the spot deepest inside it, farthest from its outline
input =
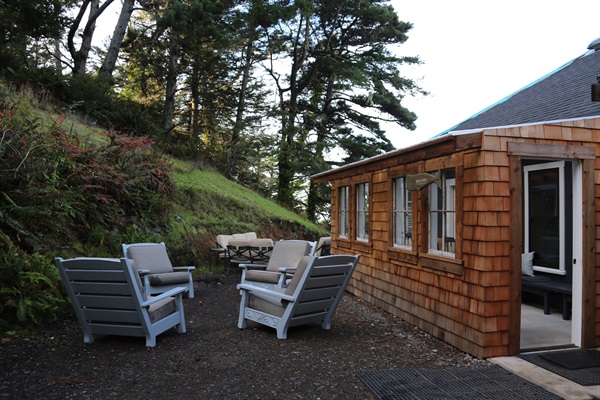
(455, 232)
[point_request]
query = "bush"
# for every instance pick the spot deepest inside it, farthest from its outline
(46, 171)
(30, 288)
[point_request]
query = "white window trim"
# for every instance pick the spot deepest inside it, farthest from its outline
(362, 206)
(561, 214)
(344, 201)
(405, 211)
(449, 186)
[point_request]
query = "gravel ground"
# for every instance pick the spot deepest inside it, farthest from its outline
(216, 360)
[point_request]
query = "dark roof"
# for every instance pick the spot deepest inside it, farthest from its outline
(562, 94)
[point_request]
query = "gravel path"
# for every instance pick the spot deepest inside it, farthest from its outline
(216, 360)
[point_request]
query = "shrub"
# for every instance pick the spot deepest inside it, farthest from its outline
(30, 288)
(46, 171)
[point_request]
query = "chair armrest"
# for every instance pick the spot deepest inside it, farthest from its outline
(287, 270)
(257, 289)
(253, 266)
(143, 272)
(170, 293)
(184, 268)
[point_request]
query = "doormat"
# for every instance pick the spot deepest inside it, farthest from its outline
(584, 374)
(491, 382)
(574, 359)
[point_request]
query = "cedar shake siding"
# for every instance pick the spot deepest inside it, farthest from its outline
(471, 297)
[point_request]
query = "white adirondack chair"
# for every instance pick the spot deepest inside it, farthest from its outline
(311, 297)
(107, 298)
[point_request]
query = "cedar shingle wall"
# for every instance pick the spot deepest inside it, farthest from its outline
(468, 310)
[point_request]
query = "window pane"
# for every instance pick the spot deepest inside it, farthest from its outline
(402, 214)
(343, 205)
(442, 214)
(362, 211)
(544, 219)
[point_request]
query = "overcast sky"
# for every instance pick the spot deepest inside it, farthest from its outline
(478, 52)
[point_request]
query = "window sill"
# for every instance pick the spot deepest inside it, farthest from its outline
(440, 263)
(403, 255)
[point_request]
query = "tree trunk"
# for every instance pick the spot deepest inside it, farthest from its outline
(108, 66)
(80, 56)
(289, 109)
(171, 83)
(238, 125)
(57, 56)
(313, 198)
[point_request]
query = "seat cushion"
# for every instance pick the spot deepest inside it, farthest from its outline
(151, 257)
(262, 276)
(161, 309)
(265, 303)
(169, 278)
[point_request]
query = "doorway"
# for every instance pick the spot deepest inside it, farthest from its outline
(552, 235)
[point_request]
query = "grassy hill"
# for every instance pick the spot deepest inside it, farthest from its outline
(67, 190)
(208, 204)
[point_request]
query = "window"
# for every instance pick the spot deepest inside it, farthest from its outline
(402, 214)
(344, 193)
(442, 215)
(362, 211)
(547, 197)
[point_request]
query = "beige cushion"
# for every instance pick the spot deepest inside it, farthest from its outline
(298, 275)
(287, 254)
(239, 236)
(223, 240)
(161, 309)
(250, 235)
(261, 243)
(262, 276)
(170, 278)
(238, 242)
(265, 303)
(151, 257)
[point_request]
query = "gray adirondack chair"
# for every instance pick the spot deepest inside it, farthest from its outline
(107, 298)
(311, 297)
(157, 272)
(286, 254)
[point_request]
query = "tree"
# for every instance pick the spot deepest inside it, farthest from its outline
(110, 60)
(24, 20)
(342, 81)
(80, 56)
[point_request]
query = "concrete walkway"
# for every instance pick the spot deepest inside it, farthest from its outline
(546, 379)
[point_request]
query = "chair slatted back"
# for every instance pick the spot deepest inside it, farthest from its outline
(321, 287)
(105, 296)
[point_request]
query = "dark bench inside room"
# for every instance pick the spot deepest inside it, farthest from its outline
(544, 286)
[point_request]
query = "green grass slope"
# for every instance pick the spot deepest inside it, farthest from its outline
(207, 204)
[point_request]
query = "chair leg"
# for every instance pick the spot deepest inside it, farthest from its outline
(151, 341)
(190, 293)
(179, 309)
(242, 322)
(281, 332)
